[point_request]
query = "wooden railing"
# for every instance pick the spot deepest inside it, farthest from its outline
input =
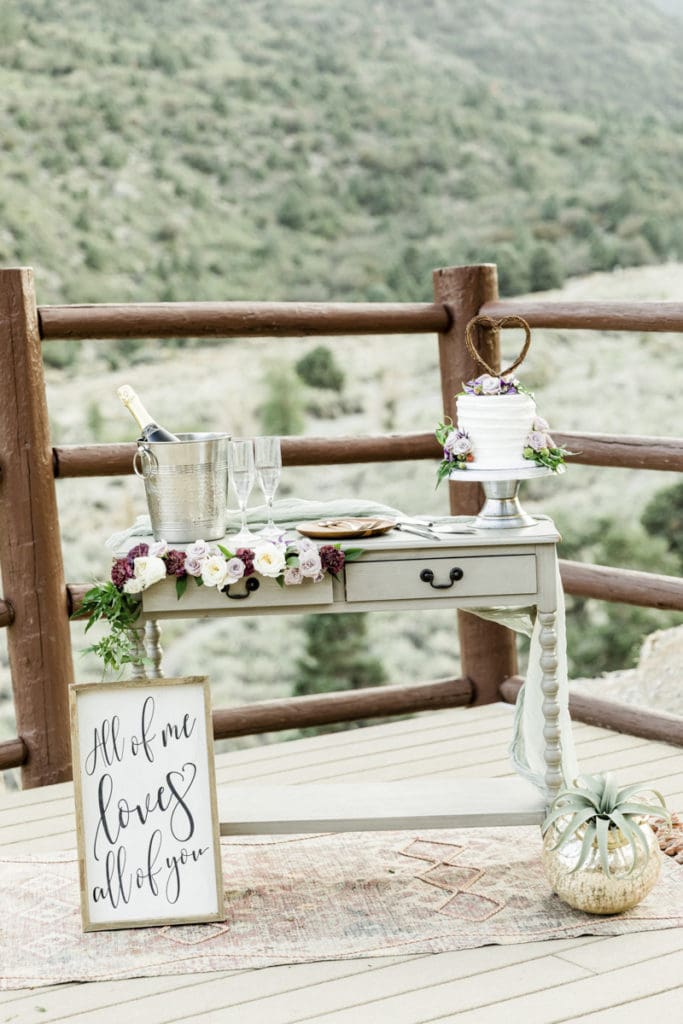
(37, 601)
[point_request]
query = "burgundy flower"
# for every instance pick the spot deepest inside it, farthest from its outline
(175, 562)
(121, 571)
(331, 558)
(247, 556)
(139, 551)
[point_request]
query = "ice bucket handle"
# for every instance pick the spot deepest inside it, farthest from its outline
(144, 462)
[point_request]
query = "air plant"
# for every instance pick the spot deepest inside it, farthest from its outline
(598, 809)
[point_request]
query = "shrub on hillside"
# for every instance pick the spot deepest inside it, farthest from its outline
(319, 369)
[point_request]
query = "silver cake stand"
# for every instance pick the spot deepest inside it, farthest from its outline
(501, 509)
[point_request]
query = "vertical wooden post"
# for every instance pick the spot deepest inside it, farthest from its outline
(488, 651)
(38, 639)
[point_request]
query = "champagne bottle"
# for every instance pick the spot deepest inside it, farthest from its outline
(149, 428)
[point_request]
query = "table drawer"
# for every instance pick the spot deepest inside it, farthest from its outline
(440, 578)
(161, 598)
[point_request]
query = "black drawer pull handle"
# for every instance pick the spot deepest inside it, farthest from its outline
(251, 584)
(427, 576)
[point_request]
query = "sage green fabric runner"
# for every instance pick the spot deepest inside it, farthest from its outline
(286, 513)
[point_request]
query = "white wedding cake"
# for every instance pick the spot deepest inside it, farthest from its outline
(498, 430)
(498, 426)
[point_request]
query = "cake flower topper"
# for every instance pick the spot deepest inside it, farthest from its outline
(459, 446)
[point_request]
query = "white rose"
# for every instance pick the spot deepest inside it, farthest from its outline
(292, 575)
(234, 570)
(269, 558)
(149, 570)
(540, 425)
(310, 564)
(214, 571)
(132, 586)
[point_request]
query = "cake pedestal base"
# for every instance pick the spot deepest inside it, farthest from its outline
(501, 509)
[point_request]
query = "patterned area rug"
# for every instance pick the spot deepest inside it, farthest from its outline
(303, 898)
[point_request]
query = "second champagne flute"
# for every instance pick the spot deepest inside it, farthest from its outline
(242, 477)
(268, 468)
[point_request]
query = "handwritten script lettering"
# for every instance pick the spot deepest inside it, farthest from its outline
(149, 809)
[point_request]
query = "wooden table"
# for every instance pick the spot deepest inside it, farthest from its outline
(398, 572)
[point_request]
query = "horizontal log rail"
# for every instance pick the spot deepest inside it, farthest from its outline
(619, 451)
(593, 316)
(343, 706)
(6, 613)
(13, 753)
(240, 319)
(661, 453)
(296, 319)
(625, 586)
(608, 714)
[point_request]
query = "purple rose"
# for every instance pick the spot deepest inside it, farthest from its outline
(540, 424)
(310, 564)
(306, 544)
(458, 443)
(293, 575)
(247, 556)
(198, 549)
(193, 565)
(537, 440)
(490, 385)
(235, 570)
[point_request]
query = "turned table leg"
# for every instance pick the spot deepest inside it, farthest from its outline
(153, 649)
(137, 668)
(551, 709)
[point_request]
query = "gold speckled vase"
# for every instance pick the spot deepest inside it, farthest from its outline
(590, 889)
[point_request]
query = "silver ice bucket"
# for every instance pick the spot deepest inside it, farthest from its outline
(186, 483)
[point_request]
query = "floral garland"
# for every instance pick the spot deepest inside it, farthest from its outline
(539, 446)
(118, 600)
(490, 385)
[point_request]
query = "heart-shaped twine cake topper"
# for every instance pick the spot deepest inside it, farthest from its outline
(496, 326)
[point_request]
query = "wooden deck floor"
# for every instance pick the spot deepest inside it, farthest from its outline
(598, 980)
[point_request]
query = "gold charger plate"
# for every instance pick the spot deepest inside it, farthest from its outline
(338, 529)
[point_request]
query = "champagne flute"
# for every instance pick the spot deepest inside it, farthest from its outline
(268, 467)
(242, 477)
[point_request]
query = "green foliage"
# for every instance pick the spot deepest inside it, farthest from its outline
(544, 270)
(120, 611)
(336, 655)
(61, 355)
(285, 177)
(282, 412)
(319, 369)
(292, 211)
(551, 458)
(663, 517)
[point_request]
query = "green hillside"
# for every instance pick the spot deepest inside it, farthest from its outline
(334, 149)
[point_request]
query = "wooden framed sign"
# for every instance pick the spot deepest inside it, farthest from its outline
(146, 813)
